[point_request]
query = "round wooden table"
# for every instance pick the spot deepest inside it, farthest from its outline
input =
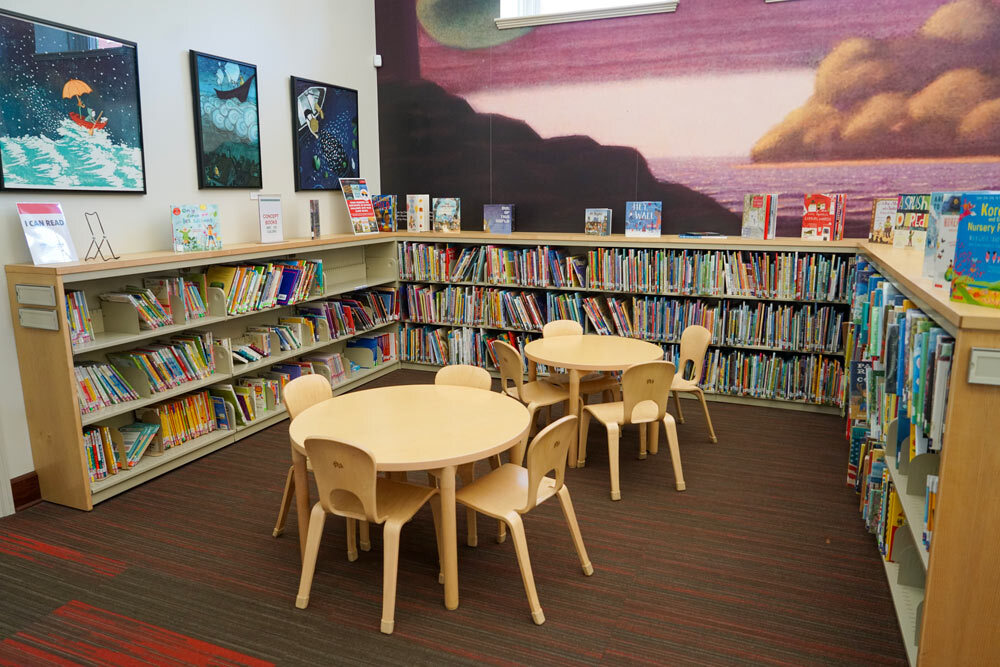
(414, 427)
(583, 354)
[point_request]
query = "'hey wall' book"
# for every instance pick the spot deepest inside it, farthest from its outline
(643, 218)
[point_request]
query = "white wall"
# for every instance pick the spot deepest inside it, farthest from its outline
(327, 40)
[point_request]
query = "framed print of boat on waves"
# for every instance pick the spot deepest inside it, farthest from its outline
(69, 109)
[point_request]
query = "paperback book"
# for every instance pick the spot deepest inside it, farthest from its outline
(447, 214)
(45, 230)
(597, 221)
(911, 221)
(942, 227)
(498, 218)
(196, 227)
(760, 215)
(418, 213)
(643, 218)
(359, 205)
(385, 212)
(976, 277)
(823, 217)
(314, 218)
(883, 219)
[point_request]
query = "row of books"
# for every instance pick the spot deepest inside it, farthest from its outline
(250, 287)
(880, 506)
(348, 314)
(474, 306)
(147, 307)
(184, 358)
(106, 457)
(81, 326)
(256, 343)
(497, 265)
(190, 291)
(182, 419)
(807, 378)
(461, 345)
(100, 385)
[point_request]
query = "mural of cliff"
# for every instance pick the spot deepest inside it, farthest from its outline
(694, 108)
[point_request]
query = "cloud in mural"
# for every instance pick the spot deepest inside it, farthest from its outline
(935, 93)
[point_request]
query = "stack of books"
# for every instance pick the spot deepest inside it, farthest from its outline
(100, 385)
(250, 287)
(181, 420)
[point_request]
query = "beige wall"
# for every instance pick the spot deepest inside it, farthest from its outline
(326, 40)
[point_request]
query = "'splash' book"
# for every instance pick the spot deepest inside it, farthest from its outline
(597, 221)
(359, 205)
(498, 218)
(939, 245)
(911, 221)
(447, 214)
(883, 219)
(976, 277)
(760, 215)
(643, 218)
(46, 232)
(196, 227)
(823, 217)
(385, 212)
(418, 213)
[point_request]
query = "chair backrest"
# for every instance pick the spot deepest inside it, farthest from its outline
(547, 453)
(464, 375)
(304, 392)
(562, 328)
(346, 478)
(511, 367)
(645, 389)
(694, 345)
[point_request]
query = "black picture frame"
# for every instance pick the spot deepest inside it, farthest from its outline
(70, 54)
(330, 149)
(227, 147)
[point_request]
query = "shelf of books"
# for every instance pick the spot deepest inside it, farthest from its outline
(922, 456)
(164, 362)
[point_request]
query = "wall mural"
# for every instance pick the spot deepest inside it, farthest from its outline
(695, 108)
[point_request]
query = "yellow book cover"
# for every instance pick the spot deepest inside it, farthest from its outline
(109, 450)
(221, 276)
(893, 521)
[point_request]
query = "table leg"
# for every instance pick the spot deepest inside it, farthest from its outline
(301, 497)
(449, 537)
(574, 409)
(532, 371)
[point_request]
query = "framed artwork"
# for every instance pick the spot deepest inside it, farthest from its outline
(69, 109)
(324, 134)
(226, 122)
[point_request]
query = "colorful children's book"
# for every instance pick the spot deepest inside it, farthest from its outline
(196, 227)
(385, 212)
(976, 277)
(823, 217)
(447, 214)
(498, 218)
(418, 213)
(760, 215)
(643, 218)
(911, 221)
(942, 226)
(597, 221)
(883, 219)
(359, 205)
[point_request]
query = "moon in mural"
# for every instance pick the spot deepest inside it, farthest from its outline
(465, 24)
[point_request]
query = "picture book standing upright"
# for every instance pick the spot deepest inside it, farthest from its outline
(498, 218)
(597, 221)
(196, 227)
(823, 217)
(385, 212)
(883, 219)
(760, 215)
(942, 227)
(359, 205)
(977, 251)
(447, 214)
(911, 221)
(643, 218)
(418, 213)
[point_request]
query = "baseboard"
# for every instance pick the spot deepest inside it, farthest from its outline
(26, 491)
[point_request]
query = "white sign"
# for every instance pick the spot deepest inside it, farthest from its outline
(46, 232)
(269, 207)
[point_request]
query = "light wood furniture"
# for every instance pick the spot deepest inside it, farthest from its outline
(349, 486)
(694, 345)
(419, 428)
(578, 354)
(596, 383)
(512, 490)
(645, 391)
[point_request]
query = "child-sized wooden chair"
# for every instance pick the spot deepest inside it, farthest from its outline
(349, 486)
(645, 390)
(301, 393)
(694, 346)
(595, 383)
(512, 490)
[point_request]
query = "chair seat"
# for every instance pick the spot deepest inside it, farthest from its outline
(593, 383)
(539, 393)
(680, 384)
(503, 490)
(395, 500)
(614, 413)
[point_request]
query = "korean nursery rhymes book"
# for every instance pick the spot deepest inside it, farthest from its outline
(196, 227)
(498, 218)
(597, 221)
(760, 215)
(942, 228)
(359, 205)
(447, 214)
(418, 213)
(823, 217)
(976, 277)
(385, 212)
(883, 219)
(911, 221)
(643, 218)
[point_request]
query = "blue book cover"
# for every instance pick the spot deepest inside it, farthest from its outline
(498, 218)
(939, 245)
(976, 277)
(643, 218)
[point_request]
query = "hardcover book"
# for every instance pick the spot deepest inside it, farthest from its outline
(911, 221)
(498, 218)
(823, 217)
(939, 244)
(418, 213)
(976, 277)
(883, 219)
(45, 230)
(359, 205)
(196, 227)
(760, 215)
(643, 218)
(447, 214)
(597, 221)
(385, 212)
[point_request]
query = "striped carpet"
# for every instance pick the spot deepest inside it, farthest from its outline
(763, 560)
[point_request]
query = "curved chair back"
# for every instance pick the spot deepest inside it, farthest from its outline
(562, 328)
(464, 375)
(694, 345)
(645, 390)
(547, 453)
(304, 392)
(511, 367)
(346, 478)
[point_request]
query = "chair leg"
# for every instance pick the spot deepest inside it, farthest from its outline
(677, 405)
(521, 547)
(352, 547)
(654, 437)
(582, 448)
(708, 419)
(613, 435)
(435, 502)
(548, 414)
(467, 473)
(365, 541)
(286, 503)
(574, 530)
(643, 432)
(501, 526)
(675, 452)
(315, 534)
(533, 415)
(390, 568)
(518, 450)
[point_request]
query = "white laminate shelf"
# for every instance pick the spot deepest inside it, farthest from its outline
(913, 508)
(906, 600)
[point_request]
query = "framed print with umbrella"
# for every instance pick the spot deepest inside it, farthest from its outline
(69, 109)
(324, 134)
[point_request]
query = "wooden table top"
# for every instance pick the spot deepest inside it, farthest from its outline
(592, 352)
(417, 427)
